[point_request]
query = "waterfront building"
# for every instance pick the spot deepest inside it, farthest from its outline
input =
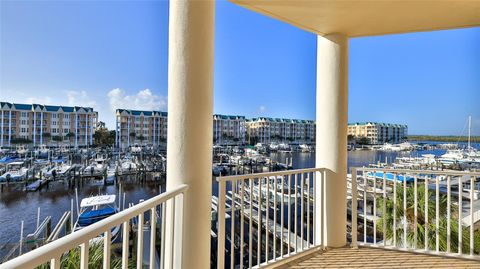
(379, 133)
(228, 129)
(140, 127)
(46, 124)
(187, 235)
(267, 130)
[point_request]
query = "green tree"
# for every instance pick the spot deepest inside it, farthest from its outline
(48, 136)
(69, 136)
(20, 140)
(104, 137)
(424, 220)
(363, 140)
(57, 139)
(71, 259)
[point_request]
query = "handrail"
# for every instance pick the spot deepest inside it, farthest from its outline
(269, 174)
(429, 172)
(255, 203)
(54, 249)
(440, 193)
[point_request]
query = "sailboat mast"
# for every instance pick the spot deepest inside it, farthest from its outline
(469, 130)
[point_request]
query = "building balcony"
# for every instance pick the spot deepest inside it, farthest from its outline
(278, 220)
(257, 224)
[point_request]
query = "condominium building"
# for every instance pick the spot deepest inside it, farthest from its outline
(266, 130)
(42, 124)
(140, 127)
(379, 133)
(228, 129)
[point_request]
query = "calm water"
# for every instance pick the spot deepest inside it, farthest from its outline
(17, 205)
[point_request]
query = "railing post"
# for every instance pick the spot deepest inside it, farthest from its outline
(221, 226)
(354, 208)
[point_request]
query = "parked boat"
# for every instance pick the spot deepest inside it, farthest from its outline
(60, 169)
(305, 148)
(15, 172)
(128, 165)
(96, 168)
(136, 148)
(20, 149)
(94, 209)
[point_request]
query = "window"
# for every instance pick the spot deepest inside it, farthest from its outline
(54, 123)
(65, 131)
(54, 115)
(66, 116)
(24, 114)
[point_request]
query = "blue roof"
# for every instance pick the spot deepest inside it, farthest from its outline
(23, 106)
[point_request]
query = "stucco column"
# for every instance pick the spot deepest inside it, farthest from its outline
(10, 127)
(76, 129)
(331, 138)
(41, 127)
(34, 128)
(190, 126)
(1, 129)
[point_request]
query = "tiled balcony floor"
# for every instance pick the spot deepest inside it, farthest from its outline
(378, 258)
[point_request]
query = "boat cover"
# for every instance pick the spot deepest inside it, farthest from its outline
(90, 217)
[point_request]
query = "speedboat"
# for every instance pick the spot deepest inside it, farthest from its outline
(42, 150)
(94, 209)
(20, 149)
(15, 172)
(135, 148)
(59, 170)
(96, 168)
(128, 166)
(111, 173)
(305, 148)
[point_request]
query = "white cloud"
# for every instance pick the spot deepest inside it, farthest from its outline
(142, 100)
(38, 100)
(80, 98)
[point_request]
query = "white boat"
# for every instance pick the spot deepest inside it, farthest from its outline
(136, 148)
(128, 165)
(59, 170)
(20, 149)
(94, 209)
(405, 146)
(96, 168)
(111, 174)
(15, 172)
(305, 148)
(64, 149)
(42, 149)
(273, 146)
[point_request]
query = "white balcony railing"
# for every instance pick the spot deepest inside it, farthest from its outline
(436, 212)
(269, 217)
(54, 252)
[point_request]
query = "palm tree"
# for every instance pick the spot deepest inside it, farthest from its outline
(69, 136)
(424, 220)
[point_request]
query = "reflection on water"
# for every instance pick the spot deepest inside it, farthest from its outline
(17, 205)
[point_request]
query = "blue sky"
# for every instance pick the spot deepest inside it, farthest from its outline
(109, 54)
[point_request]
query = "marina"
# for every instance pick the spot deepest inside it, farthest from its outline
(57, 182)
